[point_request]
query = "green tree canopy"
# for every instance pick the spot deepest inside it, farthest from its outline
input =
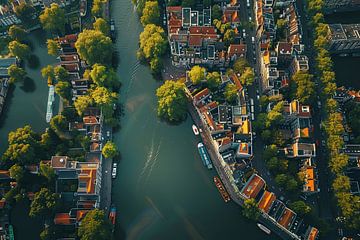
(109, 150)
(103, 97)
(94, 47)
(17, 172)
(172, 102)
(82, 103)
(95, 226)
(300, 207)
(48, 73)
(25, 12)
(247, 77)
(152, 42)
(61, 74)
(231, 92)
(16, 74)
(229, 36)
(63, 89)
(59, 124)
(47, 171)
(101, 25)
(213, 80)
(45, 202)
(197, 74)
(19, 153)
(98, 7)
(240, 65)
(19, 50)
(17, 33)
(274, 116)
(251, 209)
(53, 47)
(216, 12)
(104, 77)
(151, 13)
(305, 87)
(53, 19)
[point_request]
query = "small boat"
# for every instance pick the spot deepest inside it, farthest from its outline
(204, 156)
(114, 170)
(221, 189)
(83, 8)
(112, 214)
(195, 130)
(112, 29)
(263, 228)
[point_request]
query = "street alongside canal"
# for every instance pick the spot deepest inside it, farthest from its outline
(162, 190)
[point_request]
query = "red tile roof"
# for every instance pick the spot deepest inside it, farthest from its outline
(195, 41)
(236, 49)
(287, 218)
(63, 219)
(266, 201)
(284, 48)
(253, 186)
(174, 9)
(313, 234)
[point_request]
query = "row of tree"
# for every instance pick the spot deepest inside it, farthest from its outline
(348, 203)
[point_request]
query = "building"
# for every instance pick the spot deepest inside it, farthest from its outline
(341, 5)
(344, 38)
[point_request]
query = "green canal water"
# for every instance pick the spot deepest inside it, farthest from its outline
(162, 190)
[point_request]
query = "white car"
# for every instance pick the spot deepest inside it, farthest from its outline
(250, 19)
(114, 170)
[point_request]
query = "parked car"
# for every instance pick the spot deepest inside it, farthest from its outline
(114, 170)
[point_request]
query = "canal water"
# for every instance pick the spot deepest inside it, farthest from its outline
(162, 190)
(346, 68)
(26, 104)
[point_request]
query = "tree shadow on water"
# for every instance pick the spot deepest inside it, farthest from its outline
(33, 62)
(7, 106)
(28, 85)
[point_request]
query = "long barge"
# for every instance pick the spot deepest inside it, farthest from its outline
(222, 189)
(204, 156)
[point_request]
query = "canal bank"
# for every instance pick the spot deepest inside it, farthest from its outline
(162, 191)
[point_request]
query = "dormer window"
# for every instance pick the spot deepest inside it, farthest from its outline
(305, 109)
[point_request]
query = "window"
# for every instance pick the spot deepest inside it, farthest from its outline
(305, 109)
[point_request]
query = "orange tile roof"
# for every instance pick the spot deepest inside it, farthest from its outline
(313, 234)
(201, 94)
(236, 49)
(174, 8)
(63, 219)
(80, 214)
(253, 186)
(87, 176)
(286, 218)
(236, 81)
(266, 201)
(2, 203)
(195, 40)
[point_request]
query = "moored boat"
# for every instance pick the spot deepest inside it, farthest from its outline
(263, 228)
(83, 8)
(221, 189)
(204, 155)
(195, 130)
(112, 215)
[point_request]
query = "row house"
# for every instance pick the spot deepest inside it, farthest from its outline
(264, 19)
(294, 30)
(275, 210)
(8, 16)
(309, 173)
(231, 16)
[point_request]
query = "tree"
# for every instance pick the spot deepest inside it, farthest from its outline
(281, 25)
(156, 65)
(94, 47)
(61, 74)
(318, 18)
(97, 8)
(305, 87)
(188, 3)
(95, 226)
(240, 65)
(270, 152)
(58, 124)
(300, 207)
(151, 13)
(103, 76)
(25, 12)
(213, 80)
(19, 50)
(47, 171)
(321, 42)
(216, 11)
(22, 135)
(281, 180)
(172, 102)
(231, 92)
(63, 89)
(251, 209)
(48, 72)
(17, 172)
(53, 19)
(152, 42)
(338, 162)
(102, 26)
(229, 36)
(53, 47)
(103, 97)
(17, 33)
(196, 74)
(45, 202)
(248, 76)
(16, 74)
(19, 153)
(82, 103)
(274, 116)
(109, 150)
(276, 165)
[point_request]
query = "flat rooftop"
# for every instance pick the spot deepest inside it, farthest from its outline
(345, 31)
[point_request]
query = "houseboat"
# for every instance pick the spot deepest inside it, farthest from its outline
(263, 228)
(195, 130)
(204, 156)
(221, 189)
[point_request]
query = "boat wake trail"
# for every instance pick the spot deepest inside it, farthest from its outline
(132, 75)
(148, 159)
(154, 161)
